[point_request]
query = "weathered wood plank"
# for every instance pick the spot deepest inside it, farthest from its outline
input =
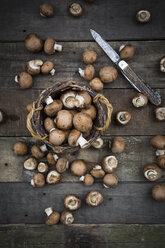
(82, 236)
(137, 154)
(115, 19)
(146, 62)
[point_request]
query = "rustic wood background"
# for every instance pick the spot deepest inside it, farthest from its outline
(128, 217)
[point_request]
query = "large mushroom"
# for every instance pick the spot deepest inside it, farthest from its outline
(68, 99)
(82, 122)
(51, 46)
(72, 202)
(24, 80)
(57, 137)
(33, 67)
(109, 163)
(78, 167)
(52, 106)
(64, 119)
(33, 43)
(94, 198)
(108, 74)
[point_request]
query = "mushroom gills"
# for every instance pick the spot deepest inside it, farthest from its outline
(151, 174)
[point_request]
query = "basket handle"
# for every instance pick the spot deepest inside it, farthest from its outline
(104, 100)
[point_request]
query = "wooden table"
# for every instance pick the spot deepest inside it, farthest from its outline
(129, 217)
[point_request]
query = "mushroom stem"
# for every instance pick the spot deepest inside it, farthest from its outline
(105, 186)
(52, 72)
(32, 183)
(55, 156)
(48, 211)
(58, 47)
(49, 100)
(82, 142)
(160, 152)
(82, 178)
(43, 148)
(81, 72)
(52, 129)
(16, 79)
(121, 47)
(42, 15)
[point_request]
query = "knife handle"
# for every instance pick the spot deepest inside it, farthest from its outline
(139, 83)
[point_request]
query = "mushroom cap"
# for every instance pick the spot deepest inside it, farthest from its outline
(33, 67)
(47, 67)
(53, 218)
(46, 10)
(94, 198)
(96, 84)
(152, 172)
(110, 180)
(91, 111)
(33, 43)
(98, 143)
(62, 165)
(57, 137)
(161, 161)
(89, 57)
(140, 100)
(73, 137)
(53, 177)
(29, 106)
(87, 179)
(30, 163)
(75, 9)
(160, 113)
(36, 151)
(83, 99)
(20, 148)
(52, 108)
(108, 74)
(82, 122)
(162, 64)
(143, 16)
(64, 119)
(43, 167)
(118, 145)
(67, 217)
(97, 172)
(72, 202)
(25, 80)
(89, 72)
(127, 52)
(158, 192)
(49, 46)
(109, 163)
(49, 124)
(50, 158)
(158, 142)
(123, 117)
(39, 180)
(78, 167)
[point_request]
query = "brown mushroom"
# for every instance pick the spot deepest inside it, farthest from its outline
(38, 152)
(75, 138)
(51, 46)
(89, 57)
(53, 177)
(46, 10)
(29, 106)
(143, 16)
(87, 179)
(123, 117)
(98, 143)
(52, 158)
(152, 172)
(67, 218)
(75, 9)
(30, 163)
(2, 116)
(161, 161)
(78, 167)
(24, 80)
(88, 73)
(96, 84)
(20, 148)
(160, 113)
(53, 217)
(108, 74)
(97, 172)
(49, 124)
(91, 111)
(72, 202)
(33, 43)
(110, 180)
(38, 180)
(94, 198)
(109, 163)
(162, 64)
(33, 67)
(62, 165)
(52, 106)
(82, 100)
(48, 67)
(158, 142)
(57, 137)
(42, 167)
(140, 100)
(82, 122)
(127, 51)
(117, 145)
(68, 99)
(158, 192)
(64, 119)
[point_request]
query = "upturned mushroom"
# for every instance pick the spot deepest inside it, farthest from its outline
(48, 68)
(87, 179)
(52, 158)
(152, 172)
(89, 57)
(38, 180)
(94, 198)
(91, 111)
(162, 64)
(161, 161)
(110, 180)
(33, 43)
(68, 99)
(108, 74)
(117, 145)
(24, 80)
(139, 100)
(42, 167)
(82, 122)
(160, 113)
(143, 16)
(88, 73)
(96, 84)
(51, 46)
(46, 10)
(20, 148)
(30, 163)
(38, 151)
(53, 177)
(82, 100)
(97, 172)
(127, 51)
(158, 142)
(75, 138)
(72, 202)
(33, 67)
(52, 106)
(29, 106)
(75, 9)
(62, 165)
(98, 143)
(78, 167)
(64, 119)
(67, 218)
(109, 163)
(53, 217)
(123, 117)
(49, 124)
(56, 137)
(158, 192)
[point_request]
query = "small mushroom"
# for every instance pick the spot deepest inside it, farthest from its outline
(91, 111)
(29, 106)
(162, 64)
(72, 202)
(109, 163)
(49, 124)
(20, 148)
(30, 163)
(161, 161)
(2, 116)
(48, 67)
(94, 198)
(75, 9)
(89, 57)
(53, 177)
(97, 172)
(108, 74)
(33, 43)
(53, 217)
(33, 67)
(82, 122)
(158, 142)
(64, 119)
(46, 10)
(24, 80)
(160, 113)
(67, 218)
(78, 167)
(51, 46)
(38, 180)
(75, 138)
(42, 167)
(96, 84)
(52, 158)
(87, 179)
(68, 99)
(82, 100)
(38, 152)
(152, 172)
(123, 117)
(98, 143)
(88, 73)
(57, 137)
(110, 180)
(143, 16)
(127, 51)
(52, 106)
(158, 192)
(140, 100)
(117, 145)
(62, 165)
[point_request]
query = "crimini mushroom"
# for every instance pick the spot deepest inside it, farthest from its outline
(94, 198)
(97, 172)
(160, 113)
(82, 122)
(108, 74)
(109, 163)
(123, 117)
(87, 179)
(30, 163)
(89, 57)
(158, 142)
(75, 138)
(49, 124)
(117, 145)
(29, 106)
(139, 100)
(161, 161)
(20, 148)
(67, 217)
(33, 67)
(72, 202)
(42, 167)
(57, 137)
(48, 67)
(88, 73)
(91, 111)
(64, 119)
(46, 10)
(158, 192)
(110, 180)
(53, 217)
(33, 43)
(38, 180)
(162, 64)
(24, 80)
(127, 51)
(51, 46)
(68, 99)
(62, 165)
(82, 100)
(75, 9)
(52, 106)
(96, 84)
(2, 116)
(53, 177)
(152, 172)
(52, 158)
(98, 143)
(143, 16)
(78, 167)
(38, 152)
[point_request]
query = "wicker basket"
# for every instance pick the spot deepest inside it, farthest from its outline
(36, 117)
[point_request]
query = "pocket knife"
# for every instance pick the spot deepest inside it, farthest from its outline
(137, 82)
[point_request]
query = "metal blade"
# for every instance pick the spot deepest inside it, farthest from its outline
(106, 47)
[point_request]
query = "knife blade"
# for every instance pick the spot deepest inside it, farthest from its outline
(136, 81)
